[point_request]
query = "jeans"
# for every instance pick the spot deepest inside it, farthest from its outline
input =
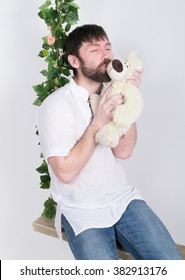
(139, 231)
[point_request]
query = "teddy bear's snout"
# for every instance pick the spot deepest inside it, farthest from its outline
(115, 70)
(117, 65)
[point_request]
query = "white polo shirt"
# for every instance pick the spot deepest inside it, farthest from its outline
(100, 193)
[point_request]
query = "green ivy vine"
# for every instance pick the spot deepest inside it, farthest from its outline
(59, 16)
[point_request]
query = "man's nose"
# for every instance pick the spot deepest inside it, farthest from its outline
(106, 54)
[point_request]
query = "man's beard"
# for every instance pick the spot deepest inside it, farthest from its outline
(97, 75)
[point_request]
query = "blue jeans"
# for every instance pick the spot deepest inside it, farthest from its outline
(139, 231)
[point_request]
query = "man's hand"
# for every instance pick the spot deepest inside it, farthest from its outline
(135, 80)
(105, 107)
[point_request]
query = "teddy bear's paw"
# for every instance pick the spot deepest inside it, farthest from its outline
(108, 135)
(127, 113)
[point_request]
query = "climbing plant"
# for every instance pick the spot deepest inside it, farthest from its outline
(59, 16)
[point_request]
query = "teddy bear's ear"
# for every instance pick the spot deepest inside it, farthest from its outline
(115, 69)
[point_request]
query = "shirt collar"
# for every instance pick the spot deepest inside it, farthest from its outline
(81, 90)
(84, 92)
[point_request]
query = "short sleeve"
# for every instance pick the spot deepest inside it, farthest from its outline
(56, 127)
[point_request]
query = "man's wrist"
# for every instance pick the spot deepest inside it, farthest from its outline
(94, 127)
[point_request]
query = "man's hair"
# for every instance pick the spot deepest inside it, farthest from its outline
(80, 35)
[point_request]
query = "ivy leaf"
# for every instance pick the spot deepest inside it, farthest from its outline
(74, 5)
(41, 155)
(37, 102)
(45, 185)
(43, 53)
(68, 27)
(40, 14)
(53, 55)
(43, 168)
(55, 29)
(44, 73)
(49, 208)
(38, 89)
(45, 45)
(66, 72)
(53, 74)
(45, 5)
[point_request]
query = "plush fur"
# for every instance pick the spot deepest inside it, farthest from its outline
(126, 114)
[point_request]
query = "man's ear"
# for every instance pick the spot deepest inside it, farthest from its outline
(74, 61)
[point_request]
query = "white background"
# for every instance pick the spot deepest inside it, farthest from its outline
(155, 29)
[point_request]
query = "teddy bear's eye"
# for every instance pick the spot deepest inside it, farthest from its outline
(126, 64)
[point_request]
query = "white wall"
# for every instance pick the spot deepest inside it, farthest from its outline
(156, 30)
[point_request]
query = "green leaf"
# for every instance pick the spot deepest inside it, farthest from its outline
(74, 5)
(43, 168)
(38, 89)
(73, 9)
(44, 89)
(66, 72)
(49, 208)
(43, 53)
(40, 14)
(45, 5)
(71, 18)
(55, 29)
(45, 178)
(53, 55)
(62, 81)
(53, 74)
(68, 27)
(51, 14)
(49, 202)
(37, 102)
(45, 45)
(44, 73)
(45, 185)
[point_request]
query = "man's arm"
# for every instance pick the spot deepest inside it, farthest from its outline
(126, 144)
(68, 167)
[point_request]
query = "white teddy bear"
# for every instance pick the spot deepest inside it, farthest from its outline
(124, 115)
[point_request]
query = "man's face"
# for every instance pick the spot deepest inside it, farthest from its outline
(94, 57)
